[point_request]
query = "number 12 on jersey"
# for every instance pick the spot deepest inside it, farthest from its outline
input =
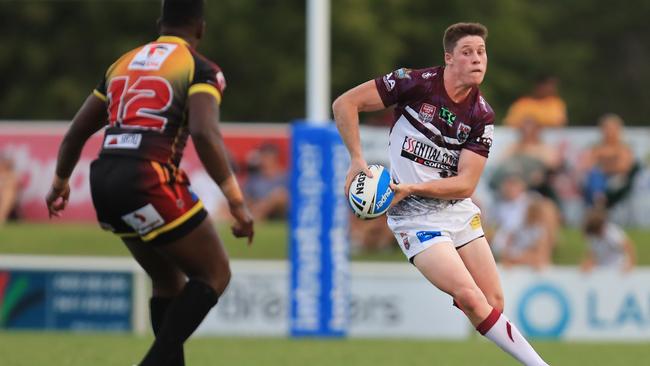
(139, 103)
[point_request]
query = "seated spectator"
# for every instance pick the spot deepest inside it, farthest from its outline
(611, 166)
(530, 244)
(371, 236)
(608, 246)
(543, 106)
(518, 209)
(266, 187)
(8, 188)
(536, 160)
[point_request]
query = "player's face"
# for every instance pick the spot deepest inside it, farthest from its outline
(468, 60)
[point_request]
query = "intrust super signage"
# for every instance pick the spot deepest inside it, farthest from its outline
(318, 232)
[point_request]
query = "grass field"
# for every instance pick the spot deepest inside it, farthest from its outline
(64, 349)
(70, 349)
(270, 242)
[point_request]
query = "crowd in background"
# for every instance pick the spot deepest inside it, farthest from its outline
(525, 211)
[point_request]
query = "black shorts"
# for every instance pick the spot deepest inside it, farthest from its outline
(144, 199)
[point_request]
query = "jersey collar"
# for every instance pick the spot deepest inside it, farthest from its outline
(172, 39)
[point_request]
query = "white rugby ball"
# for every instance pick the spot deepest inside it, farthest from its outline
(371, 197)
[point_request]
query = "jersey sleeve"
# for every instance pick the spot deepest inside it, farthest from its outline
(207, 78)
(481, 136)
(100, 90)
(397, 86)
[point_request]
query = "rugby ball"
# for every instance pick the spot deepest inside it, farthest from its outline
(371, 197)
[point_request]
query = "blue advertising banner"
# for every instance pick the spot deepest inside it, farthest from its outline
(318, 233)
(66, 300)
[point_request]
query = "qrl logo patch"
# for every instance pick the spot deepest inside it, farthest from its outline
(144, 219)
(427, 112)
(405, 240)
(152, 56)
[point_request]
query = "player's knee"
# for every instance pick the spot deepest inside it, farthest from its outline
(167, 285)
(470, 299)
(496, 300)
(219, 279)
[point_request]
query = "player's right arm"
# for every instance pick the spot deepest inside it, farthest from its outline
(346, 108)
(90, 118)
(203, 120)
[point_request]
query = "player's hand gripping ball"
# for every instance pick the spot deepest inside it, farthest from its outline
(371, 197)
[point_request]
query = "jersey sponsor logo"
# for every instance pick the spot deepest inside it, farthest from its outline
(151, 56)
(488, 135)
(427, 235)
(447, 116)
(123, 141)
(462, 133)
(221, 81)
(428, 75)
(428, 155)
(427, 112)
(389, 83)
(144, 219)
(403, 73)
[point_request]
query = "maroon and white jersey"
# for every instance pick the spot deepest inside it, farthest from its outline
(430, 130)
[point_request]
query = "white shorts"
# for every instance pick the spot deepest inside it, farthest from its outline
(458, 224)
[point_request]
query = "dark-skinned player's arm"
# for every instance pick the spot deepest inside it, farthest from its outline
(208, 142)
(90, 118)
(470, 168)
(346, 108)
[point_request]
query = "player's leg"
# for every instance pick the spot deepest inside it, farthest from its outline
(167, 281)
(478, 258)
(202, 257)
(442, 265)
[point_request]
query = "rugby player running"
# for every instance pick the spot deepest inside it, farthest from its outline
(439, 143)
(152, 98)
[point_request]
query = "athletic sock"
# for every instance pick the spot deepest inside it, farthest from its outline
(158, 308)
(497, 328)
(182, 318)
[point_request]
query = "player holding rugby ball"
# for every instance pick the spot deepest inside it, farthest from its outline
(439, 143)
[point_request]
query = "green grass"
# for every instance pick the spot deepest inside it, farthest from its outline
(66, 349)
(270, 242)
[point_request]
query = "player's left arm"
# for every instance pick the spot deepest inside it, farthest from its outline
(630, 254)
(90, 118)
(470, 168)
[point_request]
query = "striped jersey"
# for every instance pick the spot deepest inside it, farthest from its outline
(430, 130)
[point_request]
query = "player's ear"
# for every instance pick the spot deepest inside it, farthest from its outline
(448, 58)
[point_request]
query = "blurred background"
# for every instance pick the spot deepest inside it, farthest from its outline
(564, 196)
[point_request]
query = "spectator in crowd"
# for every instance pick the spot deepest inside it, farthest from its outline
(530, 243)
(536, 160)
(8, 188)
(543, 106)
(266, 187)
(611, 165)
(519, 210)
(608, 246)
(367, 236)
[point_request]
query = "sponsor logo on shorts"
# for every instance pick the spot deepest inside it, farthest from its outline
(462, 133)
(427, 112)
(427, 235)
(123, 141)
(475, 223)
(405, 240)
(144, 219)
(428, 155)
